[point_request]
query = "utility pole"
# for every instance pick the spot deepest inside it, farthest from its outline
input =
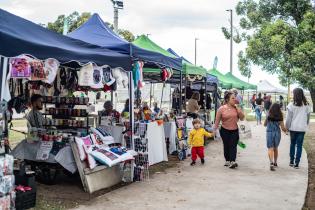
(196, 51)
(117, 4)
(231, 41)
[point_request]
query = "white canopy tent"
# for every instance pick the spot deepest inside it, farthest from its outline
(265, 87)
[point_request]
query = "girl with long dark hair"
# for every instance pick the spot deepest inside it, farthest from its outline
(229, 115)
(274, 122)
(297, 120)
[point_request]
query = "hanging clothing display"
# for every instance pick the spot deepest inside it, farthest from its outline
(120, 76)
(38, 72)
(97, 77)
(108, 78)
(20, 67)
(51, 66)
(86, 75)
(137, 72)
(166, 74)
(175, 99)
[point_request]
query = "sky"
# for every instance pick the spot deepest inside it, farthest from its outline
(171, 24)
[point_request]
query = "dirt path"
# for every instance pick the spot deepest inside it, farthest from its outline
(212, 186)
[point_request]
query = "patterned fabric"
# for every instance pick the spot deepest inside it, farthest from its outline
(273, 134)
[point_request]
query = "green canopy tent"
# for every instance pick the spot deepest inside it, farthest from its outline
(223, 81)
(153, 74)
(240, 84)
(188, 68)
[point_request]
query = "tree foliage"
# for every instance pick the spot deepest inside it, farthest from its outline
(75, 20)
(280, 36)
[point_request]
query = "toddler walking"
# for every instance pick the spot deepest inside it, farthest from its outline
(274, 122)
(196, 141)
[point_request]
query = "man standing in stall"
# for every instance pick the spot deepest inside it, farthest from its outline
(35, 119)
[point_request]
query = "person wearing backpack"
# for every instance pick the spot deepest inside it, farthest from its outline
(297, 121)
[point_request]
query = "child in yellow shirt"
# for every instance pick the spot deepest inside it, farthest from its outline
(196, 141)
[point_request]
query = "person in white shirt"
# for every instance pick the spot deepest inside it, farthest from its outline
(297, 120)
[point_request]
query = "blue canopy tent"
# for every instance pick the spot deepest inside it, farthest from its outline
(174, 53)
(96, 31)
(20, 36)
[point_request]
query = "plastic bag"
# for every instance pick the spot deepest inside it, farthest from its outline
(217, 134)
(244, 130)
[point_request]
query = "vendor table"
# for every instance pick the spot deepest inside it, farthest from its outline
(156, 143)
(28, 151)
(170, 133)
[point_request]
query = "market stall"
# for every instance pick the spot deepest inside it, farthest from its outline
(48, 68)
(165, 76)
(96, 31)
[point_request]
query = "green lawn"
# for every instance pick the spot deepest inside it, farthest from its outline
(16, 137)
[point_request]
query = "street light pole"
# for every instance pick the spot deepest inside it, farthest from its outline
(231, 41)
(117, 4)
(115, 19)
(196, 51)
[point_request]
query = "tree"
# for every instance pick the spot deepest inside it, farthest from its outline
(75, 20)
(280, 36)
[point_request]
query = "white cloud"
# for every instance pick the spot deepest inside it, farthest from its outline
(171, 23)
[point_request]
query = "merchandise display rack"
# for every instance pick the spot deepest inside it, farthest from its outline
(68, 114)
(141, 163)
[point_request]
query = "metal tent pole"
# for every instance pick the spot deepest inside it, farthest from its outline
(180, 93)
(205, 97)
(162, 94)
(151, 94)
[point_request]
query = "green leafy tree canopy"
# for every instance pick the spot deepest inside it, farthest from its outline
(76, 19)
(280, 36)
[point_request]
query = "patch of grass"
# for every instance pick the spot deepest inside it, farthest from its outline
(309, 145)
(42, 204)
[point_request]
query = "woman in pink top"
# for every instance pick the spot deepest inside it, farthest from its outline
(229, 114)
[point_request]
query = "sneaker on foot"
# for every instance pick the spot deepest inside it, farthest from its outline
(296, 166)
(233, 165)
(291, 163)
(193, 163)
(202, 161)
(227, 163)
(275, 165)
(272, 167)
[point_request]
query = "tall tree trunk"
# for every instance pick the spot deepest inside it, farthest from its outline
(312, 91)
